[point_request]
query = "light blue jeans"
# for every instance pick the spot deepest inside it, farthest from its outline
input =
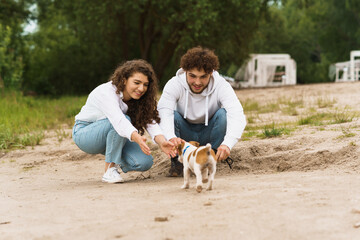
(101, 137)
(214, 133)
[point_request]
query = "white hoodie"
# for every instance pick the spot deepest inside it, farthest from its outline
(199, 108)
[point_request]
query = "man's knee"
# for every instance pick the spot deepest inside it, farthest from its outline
(178, 117)
(220, 116)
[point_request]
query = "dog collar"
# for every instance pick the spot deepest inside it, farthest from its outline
(185, 149)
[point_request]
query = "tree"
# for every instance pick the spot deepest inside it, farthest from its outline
(315, 33)
(79, 43)
(12, 15)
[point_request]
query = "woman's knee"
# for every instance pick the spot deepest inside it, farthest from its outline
(146, 164)
(137, 164)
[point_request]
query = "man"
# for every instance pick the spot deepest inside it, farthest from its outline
(199, 105)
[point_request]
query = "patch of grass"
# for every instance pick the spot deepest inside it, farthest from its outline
(352, 144)
(248, 134)
(324, 102)
(272, 131)
(250, 106)
(316, 119)
(23, 119)
(289, 106)
(61, 134)
(290, 111)
(346, 133)
(343, 116)
(270, 107)
(250, 119)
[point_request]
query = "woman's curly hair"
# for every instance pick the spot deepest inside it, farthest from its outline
(200, 58)
(142, 111)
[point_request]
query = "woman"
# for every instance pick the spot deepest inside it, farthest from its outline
(102, 126)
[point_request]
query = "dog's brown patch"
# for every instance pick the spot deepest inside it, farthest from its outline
(202, 156)
(195, 143)
(180, 147)
(194, 152)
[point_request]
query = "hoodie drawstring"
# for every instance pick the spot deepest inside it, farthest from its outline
(206, 110)
(186, 102)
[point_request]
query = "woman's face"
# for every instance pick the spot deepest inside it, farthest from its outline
(135, 86)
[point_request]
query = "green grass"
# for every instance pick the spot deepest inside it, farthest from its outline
(322, 118)
(324, 102)
(270, 131)
(250, 106)
(346, 133)
(317, 119)
(23, 119)
(344, 116)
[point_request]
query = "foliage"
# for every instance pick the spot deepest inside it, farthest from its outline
(13, 13)
(79, 43)
(315, 33)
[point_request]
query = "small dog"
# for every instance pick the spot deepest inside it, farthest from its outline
(199, 159)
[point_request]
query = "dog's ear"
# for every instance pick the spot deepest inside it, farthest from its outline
(179, 147)
(195, 143)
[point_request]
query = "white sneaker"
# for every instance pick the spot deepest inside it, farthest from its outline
(112, 176)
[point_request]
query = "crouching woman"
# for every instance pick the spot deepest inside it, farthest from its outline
(116, 114)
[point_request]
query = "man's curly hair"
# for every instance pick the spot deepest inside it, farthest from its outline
(200, 58)
(142, 111)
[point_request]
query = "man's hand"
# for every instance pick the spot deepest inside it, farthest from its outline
(223, 152)
(141, 140)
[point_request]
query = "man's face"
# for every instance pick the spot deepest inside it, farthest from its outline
(197, 80)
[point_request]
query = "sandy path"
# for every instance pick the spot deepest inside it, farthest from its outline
(305, 185)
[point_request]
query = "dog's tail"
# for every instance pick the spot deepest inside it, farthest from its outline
(208, 147)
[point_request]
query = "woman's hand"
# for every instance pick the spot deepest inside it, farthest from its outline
(141, 140)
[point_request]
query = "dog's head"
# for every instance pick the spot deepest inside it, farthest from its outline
(181, 146)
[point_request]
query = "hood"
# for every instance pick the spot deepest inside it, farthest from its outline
(214, 81)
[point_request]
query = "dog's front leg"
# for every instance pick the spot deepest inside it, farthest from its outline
(186, 177)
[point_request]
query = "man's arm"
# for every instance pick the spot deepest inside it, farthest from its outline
(235, 117)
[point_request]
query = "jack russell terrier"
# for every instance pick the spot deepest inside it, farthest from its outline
(199, 159)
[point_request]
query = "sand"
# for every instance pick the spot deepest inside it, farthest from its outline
(304, 185)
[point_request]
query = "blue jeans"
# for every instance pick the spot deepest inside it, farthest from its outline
(214, 133)
(101, 137)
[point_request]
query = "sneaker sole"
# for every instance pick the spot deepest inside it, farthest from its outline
(107, 181)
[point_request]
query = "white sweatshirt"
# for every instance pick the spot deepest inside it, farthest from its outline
(199, 108)
(103, 102)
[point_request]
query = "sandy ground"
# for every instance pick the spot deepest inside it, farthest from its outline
(305, 185)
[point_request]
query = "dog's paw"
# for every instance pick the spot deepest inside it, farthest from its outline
(205, 180)
(199, 188)
(185, 186)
